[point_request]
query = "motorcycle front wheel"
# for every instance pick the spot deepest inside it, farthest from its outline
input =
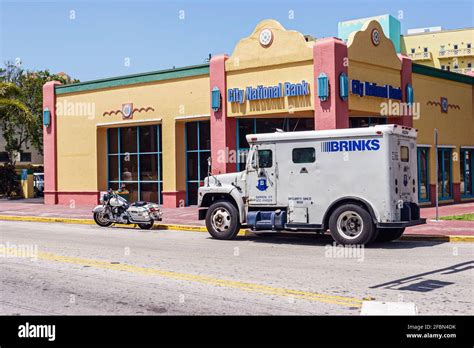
(99, 220)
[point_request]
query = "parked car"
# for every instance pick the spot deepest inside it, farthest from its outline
(38, 184)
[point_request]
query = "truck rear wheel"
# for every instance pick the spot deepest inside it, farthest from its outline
(222, 220)
(351, 224)
(389, 234)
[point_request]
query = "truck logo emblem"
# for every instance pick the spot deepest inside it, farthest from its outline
(350, 145)
(405, 180)
(262, 184)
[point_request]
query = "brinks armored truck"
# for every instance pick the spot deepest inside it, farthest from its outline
(359, 183)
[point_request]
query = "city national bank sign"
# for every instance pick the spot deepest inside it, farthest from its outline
(286, 89)
(371, 89)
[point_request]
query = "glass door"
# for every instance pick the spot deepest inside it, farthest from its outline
(423, 174)
(198, 150)
(467, 167)
(445, 183)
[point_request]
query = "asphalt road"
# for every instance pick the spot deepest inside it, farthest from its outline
(81, 269)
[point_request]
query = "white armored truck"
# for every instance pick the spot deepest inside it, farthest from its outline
(359, 183)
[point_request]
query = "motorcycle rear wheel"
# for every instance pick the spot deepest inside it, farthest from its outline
(101, 221)
(146, 226)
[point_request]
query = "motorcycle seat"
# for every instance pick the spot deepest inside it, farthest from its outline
(139, 204)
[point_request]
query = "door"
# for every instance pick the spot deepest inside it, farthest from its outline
(303, 179)
(262, 175)
(404, 164)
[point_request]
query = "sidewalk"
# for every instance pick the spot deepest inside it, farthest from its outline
(188, 216)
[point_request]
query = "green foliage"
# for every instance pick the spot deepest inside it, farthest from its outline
(9, 184)
(463, 217)
(21, 107)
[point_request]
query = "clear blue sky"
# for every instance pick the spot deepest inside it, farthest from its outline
(104, 33)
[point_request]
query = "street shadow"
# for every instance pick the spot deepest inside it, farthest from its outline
(404, 244)
(289, 238)
(325, 239)
(425, 285)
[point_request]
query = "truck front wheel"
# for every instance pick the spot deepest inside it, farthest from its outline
(389, 234)
(222, 220)
(351, 224)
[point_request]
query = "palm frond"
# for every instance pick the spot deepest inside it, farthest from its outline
(16, 104)
(8, 89)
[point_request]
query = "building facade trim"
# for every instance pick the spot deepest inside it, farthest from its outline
(119, 81)
(442, 74)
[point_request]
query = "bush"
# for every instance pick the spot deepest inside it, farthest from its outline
(9, 184)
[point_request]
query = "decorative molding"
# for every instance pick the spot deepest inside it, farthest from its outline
(443, 104)
(116, 112)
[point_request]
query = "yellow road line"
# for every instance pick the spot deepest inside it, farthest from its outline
(250, 287)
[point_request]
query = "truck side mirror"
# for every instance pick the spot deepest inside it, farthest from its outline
(253, 162)
(209, 166)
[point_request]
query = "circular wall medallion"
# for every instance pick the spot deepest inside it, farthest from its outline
(127, 110)
(375, 36)
(266, 37)
(444, 104)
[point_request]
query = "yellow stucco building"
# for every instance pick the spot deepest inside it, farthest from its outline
(152, 133)
(450, 50)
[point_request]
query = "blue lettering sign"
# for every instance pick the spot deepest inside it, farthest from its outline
(287, 89)
(371, 89)
(350, 145)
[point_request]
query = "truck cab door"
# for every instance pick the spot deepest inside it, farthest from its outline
(404, 165)
(262, 175)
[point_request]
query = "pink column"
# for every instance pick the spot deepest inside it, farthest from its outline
(405, 79)
(223, 130)
(330, 57)
(49, 145)
(457, 192)
(174, 199)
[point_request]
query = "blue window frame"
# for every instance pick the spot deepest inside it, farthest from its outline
(134, 162)
(467, 171)
(198, 150)
(265, 125)
(445, 170)
(423, 174)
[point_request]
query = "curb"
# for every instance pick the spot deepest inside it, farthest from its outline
(451, 239)
(172, 227)
(193, 228)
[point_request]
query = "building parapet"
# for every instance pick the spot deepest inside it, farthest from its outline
(160, 75)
